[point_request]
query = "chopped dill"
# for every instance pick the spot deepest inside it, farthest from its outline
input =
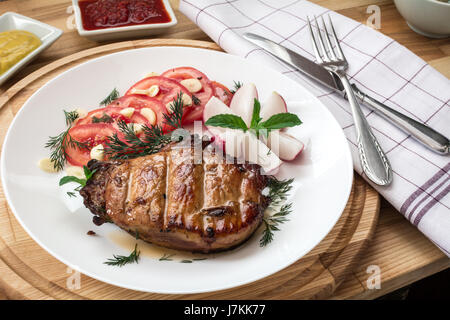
(278, 192)
(166, 257)
(196, 100)
(120, 261)
(105, 118)
(236, 86)
(110, 98)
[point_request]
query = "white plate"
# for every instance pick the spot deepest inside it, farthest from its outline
(323, 175)
(46, 33)
(141, 30)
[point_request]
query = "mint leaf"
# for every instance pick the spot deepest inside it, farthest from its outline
(88, 173)
(255, 116)
(230, 121)
(280, 121)
(68, 179)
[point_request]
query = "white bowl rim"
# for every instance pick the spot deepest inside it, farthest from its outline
(437, 2)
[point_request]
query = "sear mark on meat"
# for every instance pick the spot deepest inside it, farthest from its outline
(171, 201)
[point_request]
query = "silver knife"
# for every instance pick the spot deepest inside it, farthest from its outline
(424, 134)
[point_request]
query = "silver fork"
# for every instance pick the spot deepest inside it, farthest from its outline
(373, 160)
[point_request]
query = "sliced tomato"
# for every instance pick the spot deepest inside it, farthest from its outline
(136, 101)
(90, 134)
(222, 92)
(183, 73)
(112, 115)
(168, 88)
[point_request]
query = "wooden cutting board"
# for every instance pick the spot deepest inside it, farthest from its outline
(29, 272)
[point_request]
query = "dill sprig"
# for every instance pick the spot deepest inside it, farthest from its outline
(120, 261)
(196, 100)
(271, 224)
(82, 182)
(110, 98)
(278, 193)
(166, 257)
(105, 118)
(236, 86)
(278, 190)
(173, 119)
(58, 144)
(153, 139)
(70, 116)
(150, 141)
(186, 261)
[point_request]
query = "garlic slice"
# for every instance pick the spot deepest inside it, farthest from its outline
(187, 100)
(127, 112)
(46, 164)
(149, 114)
(97, 152)
(193, 85)
(153, 91)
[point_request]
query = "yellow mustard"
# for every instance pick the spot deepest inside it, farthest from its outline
(14, 46)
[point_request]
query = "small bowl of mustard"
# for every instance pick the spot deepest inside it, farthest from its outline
(21, 40)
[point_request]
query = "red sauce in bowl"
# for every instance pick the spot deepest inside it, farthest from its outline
(102, 14)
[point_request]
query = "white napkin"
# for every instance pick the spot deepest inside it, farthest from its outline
(379, 66)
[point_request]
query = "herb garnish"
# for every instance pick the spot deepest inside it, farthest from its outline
(82, 182)
(105, 118)
(278, 192)
(271, 223)
(196, 100)
(120, 261)
(58, 144)
(277, 121)
(237, 85)
(152, 138)
(173, 119)
(70, 116)
(166, 257)
(111, 97)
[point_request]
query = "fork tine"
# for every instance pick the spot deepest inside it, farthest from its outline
(327, 41)
(314, 43)
(326, 57)
(340, 53)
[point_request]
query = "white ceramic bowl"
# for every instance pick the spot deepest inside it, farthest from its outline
(46, 33)
(141, 30)
(430, 18)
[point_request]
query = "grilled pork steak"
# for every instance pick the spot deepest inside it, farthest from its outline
(169, 200)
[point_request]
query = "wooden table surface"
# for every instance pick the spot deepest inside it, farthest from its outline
(401, 252)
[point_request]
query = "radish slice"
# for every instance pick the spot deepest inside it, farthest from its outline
(243, 101)
(239, 144)
(245, 146)
(273, 105)
(284, 145)
(212, 108)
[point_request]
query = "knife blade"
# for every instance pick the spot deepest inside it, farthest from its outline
(421, 132)
(297, 61)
